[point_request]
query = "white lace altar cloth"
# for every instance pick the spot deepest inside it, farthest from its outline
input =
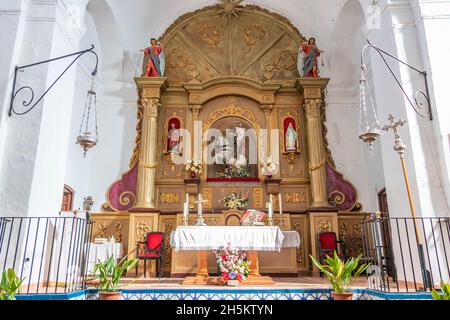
(243, 238)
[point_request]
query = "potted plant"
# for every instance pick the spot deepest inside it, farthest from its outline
(340, 274)
(233, 265)
(9, 285)
(108, 274)
(269, 166)
(194, 166)
(444, 294)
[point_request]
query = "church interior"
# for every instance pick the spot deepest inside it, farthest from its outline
(160, 132)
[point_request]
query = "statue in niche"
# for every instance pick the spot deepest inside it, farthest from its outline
(222, 150)
(154, 59)
(291, 135)
(174, 136)
(308, 57)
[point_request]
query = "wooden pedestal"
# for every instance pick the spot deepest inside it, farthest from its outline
(202, 277)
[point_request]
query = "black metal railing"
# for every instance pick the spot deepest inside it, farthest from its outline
(406, 254)
(49, 253)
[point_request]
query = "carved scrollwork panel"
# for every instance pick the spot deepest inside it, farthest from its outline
(210, 33)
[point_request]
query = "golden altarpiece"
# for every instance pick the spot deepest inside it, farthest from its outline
(228, 66)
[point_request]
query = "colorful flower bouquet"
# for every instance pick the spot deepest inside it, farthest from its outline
(236, 201)
(194, 166)
(232, 263)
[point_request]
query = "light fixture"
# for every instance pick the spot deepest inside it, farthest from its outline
(369, 129)
(369, 125)
(88, 133)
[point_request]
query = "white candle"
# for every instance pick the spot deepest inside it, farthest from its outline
(187, 197)
(270, 207)
(200, 199)
(186, 210)
(280, 205)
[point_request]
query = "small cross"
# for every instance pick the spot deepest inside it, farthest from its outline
(394, 124)
(399, 146)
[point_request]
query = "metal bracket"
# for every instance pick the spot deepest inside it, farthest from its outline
(417, 106)
(30, 101)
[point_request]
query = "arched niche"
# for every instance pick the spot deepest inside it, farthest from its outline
(234, 154)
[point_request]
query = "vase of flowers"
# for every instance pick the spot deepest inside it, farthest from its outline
(194, 167)
(269, 167)
(233, 265)
(235, 200)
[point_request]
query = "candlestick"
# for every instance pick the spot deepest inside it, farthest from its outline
(200, 221)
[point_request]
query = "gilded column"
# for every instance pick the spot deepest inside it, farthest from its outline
(312, 94)
(267, 109)
(150, 92)
(196, 132)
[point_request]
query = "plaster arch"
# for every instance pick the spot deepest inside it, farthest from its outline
(345, 51)
(111, 49)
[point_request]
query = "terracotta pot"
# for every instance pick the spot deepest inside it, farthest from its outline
(233, 283)
(110, 295)
(342, 296)
(193, 174)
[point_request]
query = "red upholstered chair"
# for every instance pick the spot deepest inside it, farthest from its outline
(327, 244)
(153, 250)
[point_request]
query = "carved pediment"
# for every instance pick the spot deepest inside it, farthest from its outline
(255, 43)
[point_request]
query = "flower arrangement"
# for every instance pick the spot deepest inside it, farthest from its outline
(236, 200)
(269, 166)
(233, 264)
(235, 171)
(194, 166)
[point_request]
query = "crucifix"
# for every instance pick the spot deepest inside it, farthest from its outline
(400, 147)
(200, 201)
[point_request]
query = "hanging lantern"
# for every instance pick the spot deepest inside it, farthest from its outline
(369, 129)
(88, 134)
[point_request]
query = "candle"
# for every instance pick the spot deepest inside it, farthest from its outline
(200, 207)
(187, 197)
(280, 205)
(185, 210)
(270, 208)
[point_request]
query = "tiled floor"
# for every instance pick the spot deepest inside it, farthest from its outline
(280, 283)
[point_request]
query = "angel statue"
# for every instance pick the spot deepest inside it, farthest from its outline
(154, 59)
(308, 55)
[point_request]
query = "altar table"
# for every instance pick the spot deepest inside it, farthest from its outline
(102, 251)
(251, 239)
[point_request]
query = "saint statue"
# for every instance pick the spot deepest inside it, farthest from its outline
(174, 139)
(154, 59)
(308, 59)
(222, 150)
(291, 139)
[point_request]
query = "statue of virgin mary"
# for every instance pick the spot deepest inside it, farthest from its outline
(291, 139)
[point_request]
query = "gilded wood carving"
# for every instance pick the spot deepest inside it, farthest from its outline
(200, 45)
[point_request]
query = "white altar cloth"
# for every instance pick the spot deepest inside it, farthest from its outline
(244, 238)
(102, 251)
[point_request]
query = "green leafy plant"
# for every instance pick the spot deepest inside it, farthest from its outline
(9, 285)
(108, 273)
(444, 294)
(340, 273)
